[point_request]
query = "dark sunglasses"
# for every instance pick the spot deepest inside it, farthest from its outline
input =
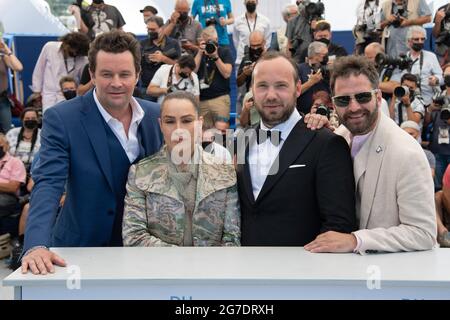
(361, 98)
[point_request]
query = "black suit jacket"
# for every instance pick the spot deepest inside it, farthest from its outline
(297, 204)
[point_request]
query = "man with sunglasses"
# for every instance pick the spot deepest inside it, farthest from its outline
(394, 189)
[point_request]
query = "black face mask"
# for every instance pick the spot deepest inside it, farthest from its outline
(183, 16)
(30, 124)
(205, 144)
(184, 75)
(255, 53)
(69, 94)
(153, 35)
(251, 7)
(417, 47)
(324, 61)
(447, 80)
(2, 153)
(324, 40)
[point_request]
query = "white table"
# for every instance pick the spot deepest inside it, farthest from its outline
(237, 273)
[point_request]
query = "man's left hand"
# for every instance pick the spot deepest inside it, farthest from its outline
(223, 21)
(316, 121)
(332, 241)
(433, 81)
(157, 56)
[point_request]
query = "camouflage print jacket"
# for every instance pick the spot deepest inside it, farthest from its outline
(154, 213)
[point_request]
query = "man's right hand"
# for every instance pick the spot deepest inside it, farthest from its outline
(440, 15)
(174, 17)
(248, 70)
(41, 261)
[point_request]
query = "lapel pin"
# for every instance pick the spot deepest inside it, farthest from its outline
(379, 149)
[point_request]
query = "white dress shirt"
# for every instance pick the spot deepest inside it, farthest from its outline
(241, 33)
(261, 157)
(50, 68)
(131, 143)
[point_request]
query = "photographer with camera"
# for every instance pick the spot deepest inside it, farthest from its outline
(147, 12)
(214, 65)
(299, 30)
(157, 50)
(314, 75)
(97, 18)
(8, 60)
(247, 23)
(216, 13)
(425, 64)
(184, 28)
(441, 32)
(177, 77)
(368, 24)
(322, 33)
(397, 16)
(406, 103)
(252, 53)
(438, 114)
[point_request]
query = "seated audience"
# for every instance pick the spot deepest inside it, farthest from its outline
(25, 141)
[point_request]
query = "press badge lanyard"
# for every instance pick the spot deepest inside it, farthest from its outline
(248, 23)
(420, 66)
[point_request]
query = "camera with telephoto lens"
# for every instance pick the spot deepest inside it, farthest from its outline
(368, 34)
(314, 11)
(323, 110)
(403, 62)
(210, 47)
(401, 12)
(401, 91)
(441, 100)
(211, 21)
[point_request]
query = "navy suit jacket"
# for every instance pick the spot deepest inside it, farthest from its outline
(75, 151)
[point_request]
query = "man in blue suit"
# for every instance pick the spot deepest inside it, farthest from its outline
(88, 145)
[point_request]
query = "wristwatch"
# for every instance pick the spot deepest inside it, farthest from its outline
(215, 59)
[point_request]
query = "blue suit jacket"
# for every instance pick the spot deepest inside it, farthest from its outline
(75, 150)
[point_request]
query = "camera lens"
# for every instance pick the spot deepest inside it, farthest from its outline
(210, 47)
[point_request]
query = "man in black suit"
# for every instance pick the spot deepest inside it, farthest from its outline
(299, 186)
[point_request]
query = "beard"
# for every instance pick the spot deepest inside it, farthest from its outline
(366, 125)
(271, 118)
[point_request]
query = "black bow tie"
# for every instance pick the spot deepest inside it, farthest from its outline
(273, 135)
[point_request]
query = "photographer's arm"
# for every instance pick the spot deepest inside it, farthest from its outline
(416, 22)
(313, 80)
(429, 114)
(414, 116)
(198, 58)
(392, 107)
(388, 86)
(243, 75)
(225, 69)
(156, 90)
(437, 22)
(244, 117)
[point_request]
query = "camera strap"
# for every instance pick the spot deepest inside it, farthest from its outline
(176, 85)
(248, 23)
(420, 66)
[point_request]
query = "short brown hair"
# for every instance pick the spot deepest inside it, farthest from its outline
(115, 41)
(345, 67)
(66, 79)
(272, 55)
(181, 95)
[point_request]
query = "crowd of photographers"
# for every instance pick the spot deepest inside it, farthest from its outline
(191, 51)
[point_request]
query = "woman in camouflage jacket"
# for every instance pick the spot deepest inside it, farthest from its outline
(194, 203)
